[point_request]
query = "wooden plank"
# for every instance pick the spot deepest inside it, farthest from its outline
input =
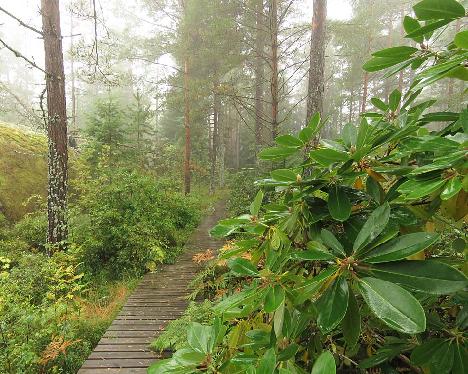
(119, 322)
(127, 341)
(118, 363)
(113, 371)
(129, 334)
(136, 327)
(141, 318)
(118, 355)
(121, 348)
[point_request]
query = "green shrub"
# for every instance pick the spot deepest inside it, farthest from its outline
(32, 229)
(131, 222)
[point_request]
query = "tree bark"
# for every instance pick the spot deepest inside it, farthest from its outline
(72, 68)
(188, 142)
(365, 87)
(317, 60)
(259, 72)
(215, 134)
(274, 67)
(451, 80)
(57, 124)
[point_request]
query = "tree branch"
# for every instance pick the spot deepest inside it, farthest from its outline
(20, 22)
(20, 55)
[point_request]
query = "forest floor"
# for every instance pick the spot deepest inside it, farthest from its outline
(160, 297)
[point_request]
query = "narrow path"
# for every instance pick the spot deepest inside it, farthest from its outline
(159, 298)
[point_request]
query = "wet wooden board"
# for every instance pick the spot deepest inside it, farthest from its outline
(159, 298)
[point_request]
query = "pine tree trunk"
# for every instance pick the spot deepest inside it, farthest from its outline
(365, 87)
(237, 149)
(259, 73)
(351, 106)
(215, 143)
(188, 144)
(56, 124)
(72, 68)
(317, 60)
(274, 66)
(451, 80)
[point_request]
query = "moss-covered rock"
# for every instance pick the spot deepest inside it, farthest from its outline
(23, 171)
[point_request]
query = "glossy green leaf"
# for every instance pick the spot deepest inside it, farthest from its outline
(379, 104)
(401, 247)
(374, 225)
(314, 122)
(252, 294)
(380, 63)
(394, 100)
(288, 352)
(349, 134)
(410, 25)
(383, 354)
(429, 276)
(273, 298)
(170, 366)
(461, 39)
(199, 337)
(438, 9)
(442, 359)
(332, 305)
(315, 251)
(267, 363)
(289, 141)
(284, 175)
(460, 359)
(458, 72)
(375, 190)
(312, 129)
(325, 364)
(392, 304)
(241, 266)
(256, 204)
(328, 156)
(188, 357)
(339, 205)
(352, 321)
(276, 153)
(278, 319)
(306, 134)
(363, 137)
(427, 29)
(415, 189)
(423, 354)
(310, 287)
(443, 162)
(220, 231)
(332, 242)
(402, 51)
(452, 187)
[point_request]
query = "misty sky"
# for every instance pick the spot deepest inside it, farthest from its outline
(28, 10)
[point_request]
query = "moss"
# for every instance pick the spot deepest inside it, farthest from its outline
(23, 170)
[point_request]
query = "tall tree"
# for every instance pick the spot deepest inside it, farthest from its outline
(274, 67)
(259, 71)
(57, 123)
(317, 59)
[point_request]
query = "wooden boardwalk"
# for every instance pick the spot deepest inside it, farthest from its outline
(159, 298)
